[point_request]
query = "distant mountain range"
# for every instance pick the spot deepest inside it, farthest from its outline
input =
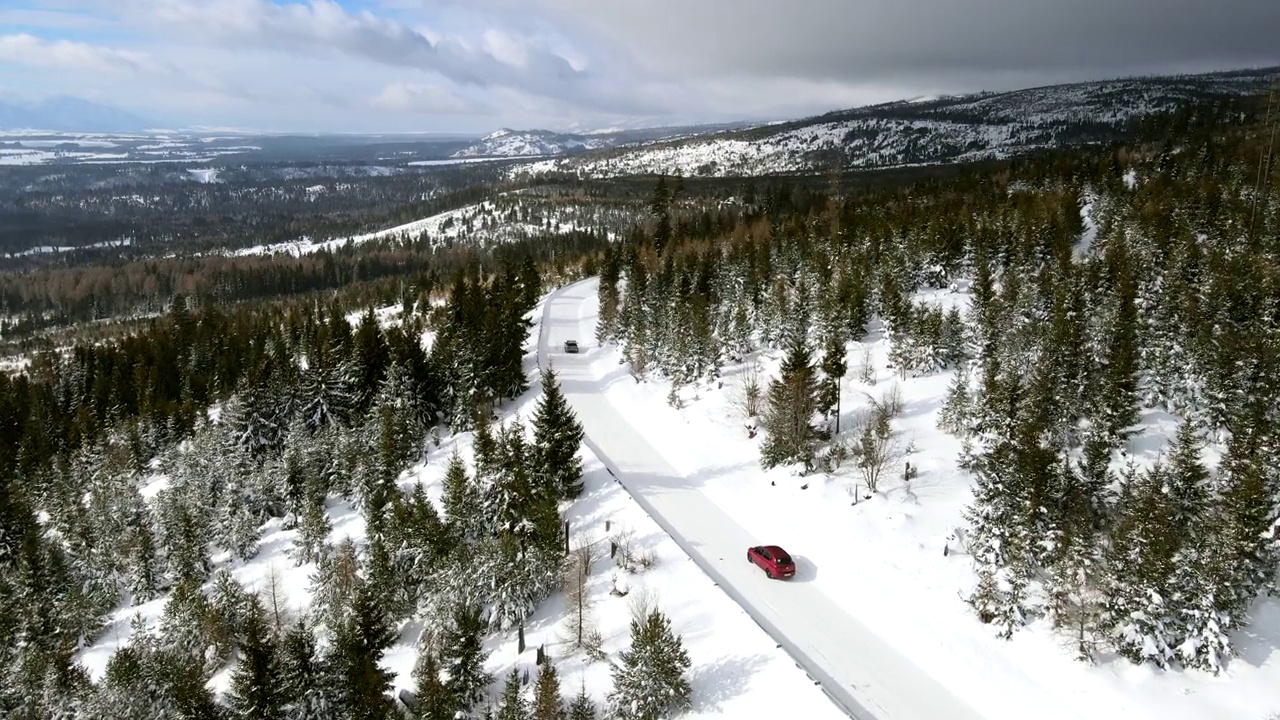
(68, 114)
(507, 143)
(916, 132)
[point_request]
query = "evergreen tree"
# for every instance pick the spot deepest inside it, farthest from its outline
(434, 699)
(256, 683)
(512, 705)
(462, 657)
(557, 436)
(1138, 593)
(358, 648)
(650, 683)
(954, 416)
(462, 503)
(789, 413)
(834, 367)
(582, 707)
(305, 681)
(547, 704)
(313, 530)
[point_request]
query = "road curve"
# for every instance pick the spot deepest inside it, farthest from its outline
(863, 675)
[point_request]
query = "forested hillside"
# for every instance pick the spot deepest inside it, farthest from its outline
(1102, 285)
(1105, 283)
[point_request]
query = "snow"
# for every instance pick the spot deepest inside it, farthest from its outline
(889, 590)
(1090, 234)
(465, 223)
(204, 175)
(1131, 178)
(737, 670)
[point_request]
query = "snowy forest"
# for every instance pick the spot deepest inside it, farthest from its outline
(1102, 285)
(321, 417)
(1105, 282)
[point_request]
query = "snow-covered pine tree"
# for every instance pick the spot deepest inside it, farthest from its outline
(1075, 565)
(305, 681)
(954, 417)
(313, 530)
(462, 504)
(650, 682)
(557, 437)
(335, 584)
(582, 707)
(325, 395)
(184, 535)
(512, 705)
(790, 406)
(1138, 615)
(358, 646)
(462, 656)
(256, 683)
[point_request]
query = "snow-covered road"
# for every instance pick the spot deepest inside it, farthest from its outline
(858, 670)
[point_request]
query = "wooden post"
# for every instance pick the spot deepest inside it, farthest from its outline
(566, 537)
(542, 655)
(613, 549)
(607, 523)
(520, 635)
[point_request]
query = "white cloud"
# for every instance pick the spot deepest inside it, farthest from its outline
(432, 99)
(37, 52)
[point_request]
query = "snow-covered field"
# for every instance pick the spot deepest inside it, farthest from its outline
(882, 560)
(737, 670)
(482, 222)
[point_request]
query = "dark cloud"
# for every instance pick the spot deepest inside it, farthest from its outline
(933, 41)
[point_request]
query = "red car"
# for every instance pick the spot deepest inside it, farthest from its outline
(775, 561)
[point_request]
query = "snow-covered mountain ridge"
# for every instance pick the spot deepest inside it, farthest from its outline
(508, 143)
(922, 131)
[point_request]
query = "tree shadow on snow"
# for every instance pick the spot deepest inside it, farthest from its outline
(1257, 643)
(723, 680)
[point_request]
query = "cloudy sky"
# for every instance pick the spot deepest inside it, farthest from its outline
(475, 65)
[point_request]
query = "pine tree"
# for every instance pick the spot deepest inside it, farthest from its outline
(1188, 481)
(547, 704)
(1140, 563)
(434, 699)
(650, 683)
(144, 578)
(834, 367)
(462, 656)
(954, 417)
(557, 436)
(582, 707)
(462, 503)
(313, 531)
(305, 681)
(512, 705)
(256, 685)
(790, 407)
(358, 648)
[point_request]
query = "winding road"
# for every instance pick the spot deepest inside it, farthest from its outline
(863, 675)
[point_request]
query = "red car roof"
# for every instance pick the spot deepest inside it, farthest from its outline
(774, 550)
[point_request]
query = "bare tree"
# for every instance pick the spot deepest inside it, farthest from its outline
(624, 539)
(577, 573)
(275, 599)
(866, 367)
(747, 394)
(644, 600)
(877, 447)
